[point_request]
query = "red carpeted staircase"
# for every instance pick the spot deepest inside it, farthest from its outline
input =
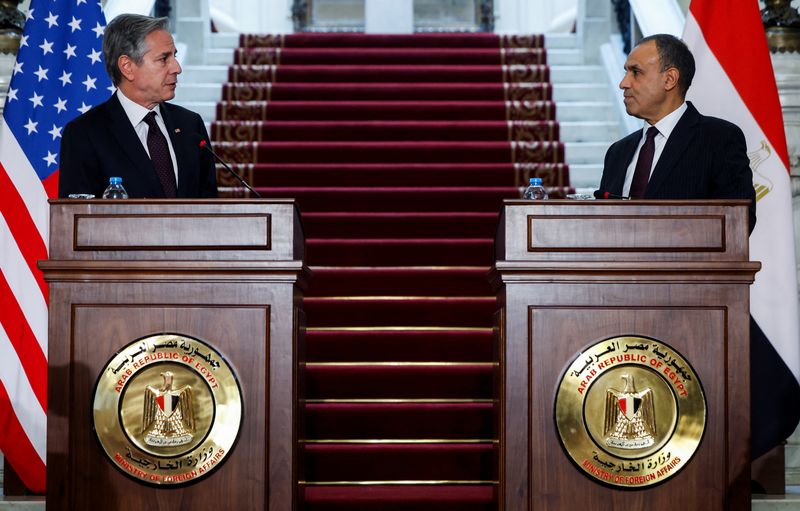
(399, 151)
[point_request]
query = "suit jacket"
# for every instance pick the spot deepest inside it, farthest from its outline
(102, 143)
(704, 158)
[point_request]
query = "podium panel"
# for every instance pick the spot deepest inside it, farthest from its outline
(577, 276)
(228, 274)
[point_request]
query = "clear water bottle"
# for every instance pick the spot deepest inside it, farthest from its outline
(115, 189)
(535, 191)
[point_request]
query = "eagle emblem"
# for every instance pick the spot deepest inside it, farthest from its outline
(630, 417)
(168, 418)
(762, 184)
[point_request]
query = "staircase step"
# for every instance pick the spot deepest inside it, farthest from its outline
(417, 175)
(593, 132)
(398, 199)
(586, 175)
(387, 56)
(362, 40)
(389, 110)
(409, 344)
(203, 74)
(565, 56)
(224, 40)
(586, 111)
(564, 92)
(219, 56)
(585, 152)
(400, 225)
(205, 109)
(443, 462)
(441, 311)
(561, 41)
(445, 56)
(589, 131)
(394, 251)
(401, 421)
(22, 504)
(471, 381)
(384, 131)
(392, 73)
(577, 74)
(378, 91)
(408, 497)
(197, 92)
(390, 152)
(371, 281)
(400, 498)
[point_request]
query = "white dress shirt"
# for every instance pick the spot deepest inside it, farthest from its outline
(664, 127)
(136, 114)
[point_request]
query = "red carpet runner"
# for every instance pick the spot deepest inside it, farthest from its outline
(399, 151)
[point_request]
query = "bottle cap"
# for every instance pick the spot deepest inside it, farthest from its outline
(115, 180)
(536, 181)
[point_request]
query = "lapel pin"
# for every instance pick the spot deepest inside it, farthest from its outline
(177, 130)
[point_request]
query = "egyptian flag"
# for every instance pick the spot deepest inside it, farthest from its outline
(629, 405)
(735, 81)
(168, 403)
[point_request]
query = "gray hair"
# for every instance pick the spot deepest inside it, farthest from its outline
(125, 36)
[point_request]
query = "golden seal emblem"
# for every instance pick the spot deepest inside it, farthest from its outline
(167, 409)
(630, 411)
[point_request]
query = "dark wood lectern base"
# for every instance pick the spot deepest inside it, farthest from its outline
(225, 272)
(571, 274)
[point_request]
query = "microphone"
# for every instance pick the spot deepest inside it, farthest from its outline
(600, 194)
(204, 145)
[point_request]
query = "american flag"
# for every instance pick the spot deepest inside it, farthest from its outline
(59, 74)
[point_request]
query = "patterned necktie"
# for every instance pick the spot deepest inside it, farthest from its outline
(159, 155)
(641, 175)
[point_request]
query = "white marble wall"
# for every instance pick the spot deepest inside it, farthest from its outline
(512, 16)
(787, 74)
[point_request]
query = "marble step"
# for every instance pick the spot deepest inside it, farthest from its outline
(580, 92)
(558, 74)
(589, 131)
(578, 153)
(193, 91)
(203, 74)
(551, 41)
(571, 132)
(206, 109)
(583, 111)
(585, 175)
(577, 74)
(788, 502)
(560, 56)
(189, 91)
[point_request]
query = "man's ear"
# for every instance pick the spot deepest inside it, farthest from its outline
(671, 77)
(125, 64)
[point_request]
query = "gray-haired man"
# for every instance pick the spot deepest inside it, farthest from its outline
(136, 134)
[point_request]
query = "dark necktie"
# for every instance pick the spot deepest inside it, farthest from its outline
(159, 155)
(641, 175)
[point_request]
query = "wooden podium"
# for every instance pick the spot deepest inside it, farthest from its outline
(570, 274)
(229, 272)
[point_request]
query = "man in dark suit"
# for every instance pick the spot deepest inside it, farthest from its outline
(689, 155)
(136, 135)
(682, 154)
